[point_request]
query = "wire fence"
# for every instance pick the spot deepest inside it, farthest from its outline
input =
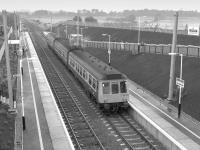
(135, 48)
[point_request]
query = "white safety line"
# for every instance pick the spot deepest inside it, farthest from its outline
(22, 90)
(35, 107)
(22, 98)
(166, 115)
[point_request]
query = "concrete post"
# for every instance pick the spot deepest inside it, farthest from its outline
(15, 26)
(173, 59)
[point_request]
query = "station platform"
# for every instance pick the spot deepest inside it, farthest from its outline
(160, 119)
(44, 128)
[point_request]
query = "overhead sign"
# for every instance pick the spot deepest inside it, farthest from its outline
(180, 82)
(13, 41)
(193, 30)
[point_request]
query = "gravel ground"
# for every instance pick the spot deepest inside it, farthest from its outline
(7, 128)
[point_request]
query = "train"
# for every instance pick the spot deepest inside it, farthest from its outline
(103, 83)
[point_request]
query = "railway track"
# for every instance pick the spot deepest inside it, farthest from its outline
(78, 128)
(81, 132)
(135, 137)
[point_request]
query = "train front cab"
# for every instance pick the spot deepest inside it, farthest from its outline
(113, 94)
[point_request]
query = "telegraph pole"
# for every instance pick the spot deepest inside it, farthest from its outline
(173, 59)
(66, 31)
(51, 23)
(139, 35)
(139, 31)
(7, 59)
(15, 25)
(77, 30)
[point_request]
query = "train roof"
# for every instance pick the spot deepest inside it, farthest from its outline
(97, 67)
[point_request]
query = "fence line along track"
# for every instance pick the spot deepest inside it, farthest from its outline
(81, 132)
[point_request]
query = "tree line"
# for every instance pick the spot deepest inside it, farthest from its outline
(124, 13)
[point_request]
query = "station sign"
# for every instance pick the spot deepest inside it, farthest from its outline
(109, 51)
(193, 30)
(180, 82)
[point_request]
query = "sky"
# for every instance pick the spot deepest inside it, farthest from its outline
(105, 5)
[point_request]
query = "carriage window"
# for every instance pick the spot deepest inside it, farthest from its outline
(123, 87)
(86, 76)
(94, 83)
(115, 88)
(72, 63)
(76, 67)
(90, 79)
(84, 73)
(81, 69)
(106, 87)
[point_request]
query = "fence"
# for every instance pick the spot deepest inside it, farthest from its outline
(134, 48)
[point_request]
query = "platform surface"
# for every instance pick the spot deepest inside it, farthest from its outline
(182, 131)
(45, 129)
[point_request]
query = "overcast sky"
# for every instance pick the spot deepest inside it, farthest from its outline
(106, 5)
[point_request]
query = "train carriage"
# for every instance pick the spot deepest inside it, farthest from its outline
(104, 83)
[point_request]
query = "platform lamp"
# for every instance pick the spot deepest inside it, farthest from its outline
(109, 50)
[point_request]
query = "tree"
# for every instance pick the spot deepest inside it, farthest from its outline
(77, 18)
(91, 19)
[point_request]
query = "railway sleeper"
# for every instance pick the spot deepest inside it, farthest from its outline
(76, 121)
(88, 141)
(84, 134)
(92, 147)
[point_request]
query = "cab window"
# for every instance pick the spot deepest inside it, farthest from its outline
(106, 87)
(115, 88)
(123, 88)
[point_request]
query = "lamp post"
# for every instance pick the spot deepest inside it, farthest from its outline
(51, 24)
(82, 35)
(139, 31)
(179, 82)
(66, 31)
(109, 50)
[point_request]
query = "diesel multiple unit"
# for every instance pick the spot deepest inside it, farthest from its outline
(104, 83)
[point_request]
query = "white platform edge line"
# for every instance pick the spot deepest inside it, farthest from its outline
(63, 124)
(35, 106)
